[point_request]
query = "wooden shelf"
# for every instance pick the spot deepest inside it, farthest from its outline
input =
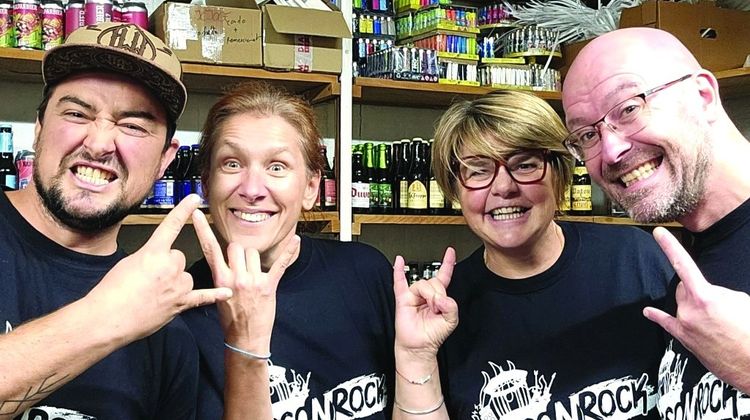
(734, 83)
(387, 219)
(418, 94)
(26, 66)
(329, 219)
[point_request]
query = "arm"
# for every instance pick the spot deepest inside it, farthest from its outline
(247, 320)
(138, 296)
(711, 321)
(425, 317)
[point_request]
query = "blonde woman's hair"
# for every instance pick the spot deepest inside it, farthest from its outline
(495, 125)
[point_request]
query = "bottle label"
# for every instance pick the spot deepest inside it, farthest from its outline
(437, 201)
(417, 196)
(198, 189)
(361, 195)
(565, 205)
(581, 198)
(580, 170)
(385, 195)
(10, 182)
(330, 193)
(374, 196)
(163, 194)
(403, 194)
(456, 205)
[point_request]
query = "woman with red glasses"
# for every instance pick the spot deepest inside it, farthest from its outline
(544, 319)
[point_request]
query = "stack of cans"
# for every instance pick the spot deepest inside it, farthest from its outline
(43, 24)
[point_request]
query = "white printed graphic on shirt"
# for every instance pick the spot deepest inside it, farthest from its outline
(710, 398)
(509, 394)
(356, 398)
(49, 413)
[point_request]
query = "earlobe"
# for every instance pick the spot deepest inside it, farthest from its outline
(168, 156)
(311, 192)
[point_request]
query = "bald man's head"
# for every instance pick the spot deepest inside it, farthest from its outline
(653, 55)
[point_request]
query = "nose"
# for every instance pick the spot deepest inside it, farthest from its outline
(100, 139)
(614, 145)
(503, 185)
(252, 186)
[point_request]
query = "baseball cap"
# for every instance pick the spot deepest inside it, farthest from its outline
(121, 48)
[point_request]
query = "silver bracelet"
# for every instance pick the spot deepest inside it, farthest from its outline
(419, 381)
(248, 354)
(421, 412)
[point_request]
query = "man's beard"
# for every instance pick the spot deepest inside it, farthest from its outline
(56, 204)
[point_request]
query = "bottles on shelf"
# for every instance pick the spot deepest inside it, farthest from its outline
(581, 191)
(182, 177)
(327, 191)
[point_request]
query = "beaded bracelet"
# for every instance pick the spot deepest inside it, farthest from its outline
(248, 354)
(421, 381)
(421, 412)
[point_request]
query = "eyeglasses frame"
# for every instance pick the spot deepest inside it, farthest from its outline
(499, 163)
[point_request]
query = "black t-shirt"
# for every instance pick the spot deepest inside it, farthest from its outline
(570, 342)
(687, 389)
(332, 341)
(153, 378)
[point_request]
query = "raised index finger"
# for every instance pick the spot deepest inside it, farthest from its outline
(165, 234)
(683, 264)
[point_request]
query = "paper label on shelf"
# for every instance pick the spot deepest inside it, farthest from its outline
(179, 27)
(303, 51)
(212, 45)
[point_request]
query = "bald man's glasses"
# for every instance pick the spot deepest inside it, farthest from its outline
(626, 118)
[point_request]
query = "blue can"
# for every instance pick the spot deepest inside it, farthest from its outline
(6, 138)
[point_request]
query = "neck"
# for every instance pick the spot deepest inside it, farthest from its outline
(524, 262)
(30, 206)
(727, 183)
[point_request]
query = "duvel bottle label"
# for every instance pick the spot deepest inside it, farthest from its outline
(361, 195)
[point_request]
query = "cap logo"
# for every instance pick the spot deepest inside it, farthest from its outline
(129, 38)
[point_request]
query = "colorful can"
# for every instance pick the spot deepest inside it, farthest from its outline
(25, 168)
(116, 11)
(97, 11)
(52, 24)
(74, 16)
(28, 24)
(7, 30)
(135, 13)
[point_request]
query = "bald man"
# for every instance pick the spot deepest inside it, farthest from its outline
(648, 122)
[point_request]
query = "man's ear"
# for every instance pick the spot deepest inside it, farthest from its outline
(708, 89)
(168, 155)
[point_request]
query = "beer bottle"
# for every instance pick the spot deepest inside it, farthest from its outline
(581, 191)
(182, 181)
(394, 164)
(436, 203)
(195, 175)
(402, 177)
(327, 191)
(418, 178)
(360, 186)
(370, 166)
(385, 195)
(565, 205)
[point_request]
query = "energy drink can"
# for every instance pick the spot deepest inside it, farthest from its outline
(135, 13)
(97, 11)
(74, 16)
(28, 23)
(25, 168)
(6, 138)
(53, 17)
(7, 30)
(117, 8)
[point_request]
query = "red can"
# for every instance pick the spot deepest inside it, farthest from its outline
(53, 17)
(25, 168)
(135, 13)
(74, 16)
(116, 11)
(97, 11)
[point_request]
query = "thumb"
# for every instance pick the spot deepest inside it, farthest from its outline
(201, 297)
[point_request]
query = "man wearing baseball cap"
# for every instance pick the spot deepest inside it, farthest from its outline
(90, 332)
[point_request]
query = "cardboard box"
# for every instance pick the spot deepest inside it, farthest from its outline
(211, 34)
(719, 38)
(304, 40)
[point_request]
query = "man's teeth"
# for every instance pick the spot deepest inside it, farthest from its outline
(93, 175)
(640, 173)
(507, 213)
(252, 217)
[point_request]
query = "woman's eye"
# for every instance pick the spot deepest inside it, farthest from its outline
(277, 167)
(232, 164)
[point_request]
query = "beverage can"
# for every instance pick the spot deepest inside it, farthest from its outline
(28, 24)
(97, 11)
(74, 16)
(25, 167)
(117, 7)
(135, 13)
(7, 30)
(6, 138)
(53, 16)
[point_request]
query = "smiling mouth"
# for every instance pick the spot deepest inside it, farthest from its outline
(251, 217)
(94, 176)
(508, 213)
(640, 173)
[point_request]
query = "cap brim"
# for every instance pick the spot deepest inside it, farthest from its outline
(68, 59)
